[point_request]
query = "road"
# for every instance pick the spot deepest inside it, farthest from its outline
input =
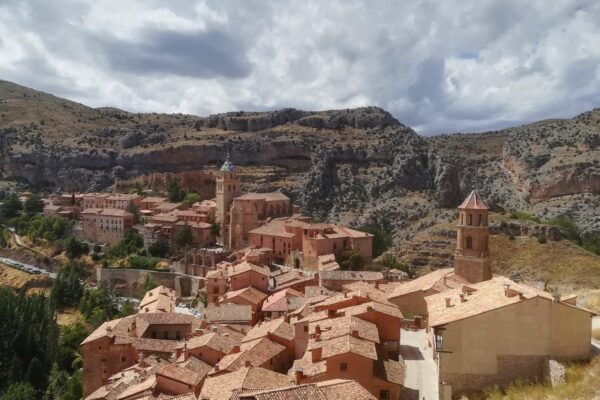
(30, 269)
(421, 380)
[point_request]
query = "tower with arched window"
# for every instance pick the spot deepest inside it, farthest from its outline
(228, 188)
(472, 255)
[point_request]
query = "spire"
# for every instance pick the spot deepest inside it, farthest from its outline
(473, 202)
(228, 166)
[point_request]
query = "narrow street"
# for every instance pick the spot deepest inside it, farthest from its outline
(421, 382)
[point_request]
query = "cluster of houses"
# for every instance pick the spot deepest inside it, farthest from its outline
(286, 333)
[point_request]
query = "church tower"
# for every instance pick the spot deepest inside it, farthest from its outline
(472, 255)
(228, 188)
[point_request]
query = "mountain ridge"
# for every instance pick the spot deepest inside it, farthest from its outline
(358, 166)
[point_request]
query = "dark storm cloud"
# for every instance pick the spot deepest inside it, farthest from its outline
(438, 66)
(202, 55)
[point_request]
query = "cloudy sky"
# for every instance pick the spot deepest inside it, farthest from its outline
(438, 66)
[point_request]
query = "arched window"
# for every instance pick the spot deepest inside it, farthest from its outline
(470, 219)
(469, 242)
(480, 220)
(461, 218)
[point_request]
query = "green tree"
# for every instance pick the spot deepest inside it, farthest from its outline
(19, 391)
(184, 236)
(127, 308)
(191, 198)
(160, 248)
(138, 188)
(10, 206)
(175, 193)
(142, 262)
(74, 247)
(34, 204)
(67, 288)
(147, 284)
(132, 208)
(382, 238)
(350, 260)
(35, 374)
(132, 243)
(98, 305)
(56, 383)
(73, 389)
(72, 336)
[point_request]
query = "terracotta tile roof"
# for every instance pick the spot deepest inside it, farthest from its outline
(473, 202)
(155, 345)
(422, 283)
(281, 301)
(218, 273)
(181, 374)
(164, 218)
(196, 365)
(221, 387)
(480, 298)
(277, 327)
(187, 396)
(159, 299)
(307, 366)
(344, 390)
(327, 263)
(231, 331)
(248, 294)
(245, 266)
(391, 371)
(336, 389)
(139, 388)
(288, 276)
(145, 320)
(269, 196)
(373, 306)
(345, 344)
(256, 353)
(275, 227)
(228, 312)
(115, 328)
(214, 341)
(335, 327)
(351, 275)
(165, 206)
(314, 291)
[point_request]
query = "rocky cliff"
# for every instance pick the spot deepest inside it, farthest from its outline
(357, 166)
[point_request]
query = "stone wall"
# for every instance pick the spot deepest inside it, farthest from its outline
(128, 280)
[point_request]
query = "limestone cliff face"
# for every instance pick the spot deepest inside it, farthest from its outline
(356, 166)
(556, 157)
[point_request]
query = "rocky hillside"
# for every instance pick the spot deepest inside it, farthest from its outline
(358, 166)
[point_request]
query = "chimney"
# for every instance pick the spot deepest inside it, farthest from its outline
(556, 297)
(247, 363)
(217, 368)
(299, 375)
(108, 328)
(448, 302)
(316, 354)
(376, 284)
(236, 349)
(462, 297)
(445, 280)
(506, 287)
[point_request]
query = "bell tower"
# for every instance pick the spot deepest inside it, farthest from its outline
(472, 255)
(228, 188)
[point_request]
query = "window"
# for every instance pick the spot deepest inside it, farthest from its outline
(166, 335)
(470, 219)
(343, 367)
(480, 220)
(123, 359)
(469, 242)
(178, 335)
(306, 329)
(384, 394)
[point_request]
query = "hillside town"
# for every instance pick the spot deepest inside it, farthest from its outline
(285, 318)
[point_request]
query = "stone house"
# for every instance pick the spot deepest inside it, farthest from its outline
(496, 331)
(105, 225)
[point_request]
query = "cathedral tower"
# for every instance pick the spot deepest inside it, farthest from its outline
(472, 255)
(228, 187)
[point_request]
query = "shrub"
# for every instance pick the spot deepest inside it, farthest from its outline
(142, 262)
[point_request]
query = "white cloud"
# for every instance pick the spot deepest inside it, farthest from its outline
(437, 66)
